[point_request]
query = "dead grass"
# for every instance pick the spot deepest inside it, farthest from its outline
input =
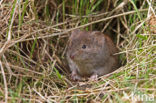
(33, 41)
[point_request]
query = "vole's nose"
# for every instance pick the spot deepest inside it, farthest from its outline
(72, 56)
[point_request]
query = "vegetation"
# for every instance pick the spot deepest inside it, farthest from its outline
(34, 36)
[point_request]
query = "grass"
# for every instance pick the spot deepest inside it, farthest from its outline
(33, 40)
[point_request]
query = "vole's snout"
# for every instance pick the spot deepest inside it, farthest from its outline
(72, 56)
(75, 54)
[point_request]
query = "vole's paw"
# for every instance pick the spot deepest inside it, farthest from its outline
(75, 77)
(93, 77)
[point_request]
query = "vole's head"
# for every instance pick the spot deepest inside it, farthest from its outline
(84, 45)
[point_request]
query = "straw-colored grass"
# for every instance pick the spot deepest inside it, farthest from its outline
(33, 41)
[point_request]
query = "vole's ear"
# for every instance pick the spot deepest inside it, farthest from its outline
(76, 31)
(98, 37)
(96, 33)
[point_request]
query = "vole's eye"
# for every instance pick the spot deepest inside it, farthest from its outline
(84, 46)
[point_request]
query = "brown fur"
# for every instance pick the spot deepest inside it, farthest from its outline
(90, 54)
